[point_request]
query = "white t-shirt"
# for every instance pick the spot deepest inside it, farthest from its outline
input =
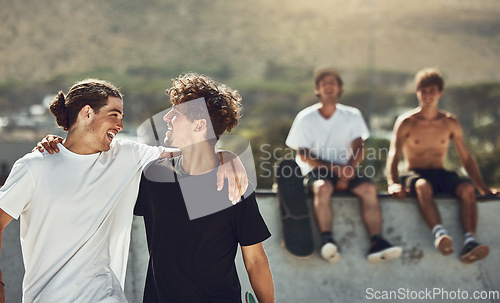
(76, 213)
(329, 139)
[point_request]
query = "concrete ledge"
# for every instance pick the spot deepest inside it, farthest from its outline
(421, 268)
(383, 195)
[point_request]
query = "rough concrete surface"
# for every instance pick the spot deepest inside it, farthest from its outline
(421, 274)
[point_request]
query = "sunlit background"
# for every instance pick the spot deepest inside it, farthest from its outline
(265, 49)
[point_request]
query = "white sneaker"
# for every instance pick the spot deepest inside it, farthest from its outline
(330, 252)
(444, 244)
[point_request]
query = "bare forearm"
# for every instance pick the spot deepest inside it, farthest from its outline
(358, 152)
(226, 156)
(261, 280)
(472, 169)
(316, 162)
(392, 171)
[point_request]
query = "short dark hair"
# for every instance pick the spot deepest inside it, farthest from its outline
(92, 92)
(327, 71)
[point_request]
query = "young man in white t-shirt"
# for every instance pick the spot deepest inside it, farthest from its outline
(75, 229)
(329, 139)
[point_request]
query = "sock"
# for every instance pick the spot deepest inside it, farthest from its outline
(375, 239)
(468, 237)
(439, 230)
(326, 237)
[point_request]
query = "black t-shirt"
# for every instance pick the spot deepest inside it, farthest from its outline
(193, 260)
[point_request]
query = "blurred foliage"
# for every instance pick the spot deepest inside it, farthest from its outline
(373, 164)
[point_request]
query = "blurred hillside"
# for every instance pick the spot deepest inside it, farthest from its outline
(265, 49)
(238, 39)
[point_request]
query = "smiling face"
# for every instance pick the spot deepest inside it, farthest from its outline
(105, 124)
(328, 88)
(179, 129)
(429, 95)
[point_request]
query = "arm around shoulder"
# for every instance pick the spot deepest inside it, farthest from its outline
(259, 272)
(49, 143)
(233, 169)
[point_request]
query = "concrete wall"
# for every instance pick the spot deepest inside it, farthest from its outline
(421, 268)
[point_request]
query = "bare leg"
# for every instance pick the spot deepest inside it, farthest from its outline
(426, 202)
(467, 196)
(380, 249)
(370, 207)
(472, 251)
(323, 211)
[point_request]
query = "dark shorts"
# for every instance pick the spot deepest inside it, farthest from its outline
(442, 181)
(323, 174)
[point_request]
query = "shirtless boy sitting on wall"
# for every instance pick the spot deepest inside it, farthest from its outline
(422, 136)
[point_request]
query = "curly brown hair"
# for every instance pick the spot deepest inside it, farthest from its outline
(223, 103)
(429, 76)
(91, 92)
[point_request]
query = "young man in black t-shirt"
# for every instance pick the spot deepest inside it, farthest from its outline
(193, 230)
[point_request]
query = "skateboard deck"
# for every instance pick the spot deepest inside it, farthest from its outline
(294, 212)
(249, 298)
